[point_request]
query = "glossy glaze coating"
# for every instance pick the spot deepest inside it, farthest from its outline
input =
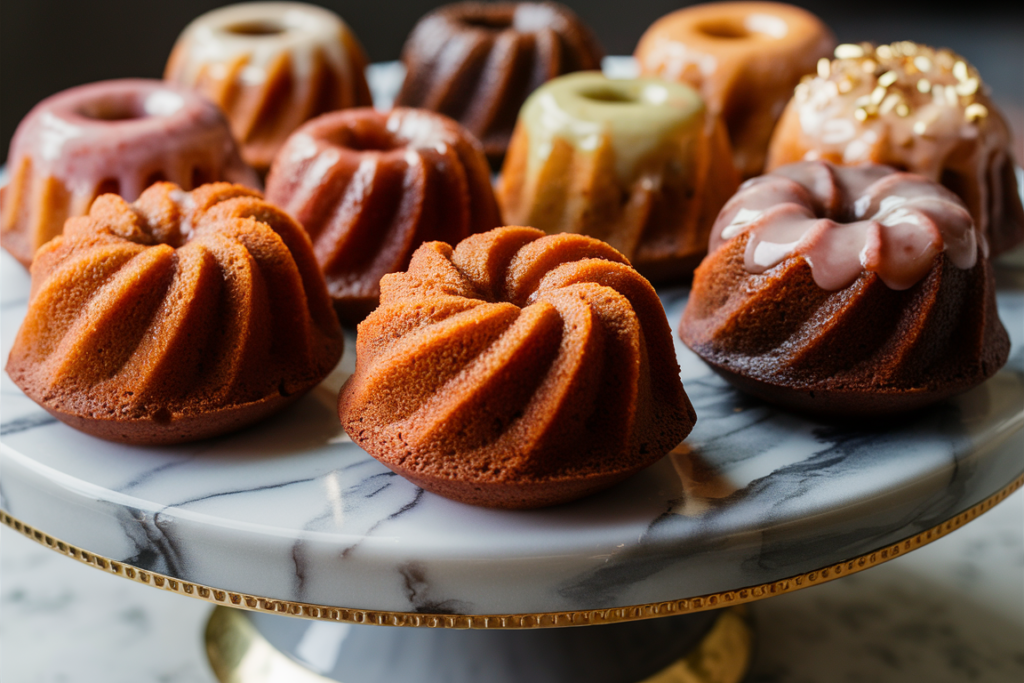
(175, 318)
(477, 62)
(270, 66)
(845, 221)
(112, 136)
(745, 58)
(517, 370)
(888, 310)
(370, 187)
(919, 109)
(637, 163)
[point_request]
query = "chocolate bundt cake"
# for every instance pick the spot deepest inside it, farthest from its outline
(477, 62)
(113, 136)
(640, 164)
(922, 110)
(516, 370)
(745, 58)
(178, 317)
(370, 187)
(846, 291)
(271, 66)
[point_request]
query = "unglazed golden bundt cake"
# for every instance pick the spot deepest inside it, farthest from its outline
(477, 62)
(640, 164)
(370, 187)
(516, 370)
(846, 291)
(745, 58)
(113, 136)
(915, 108)
(178, 317)
(271, 66)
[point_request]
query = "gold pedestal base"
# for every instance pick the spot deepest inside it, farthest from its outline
(239, 653)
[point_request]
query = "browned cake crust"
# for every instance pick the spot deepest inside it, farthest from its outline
(517, 370)
(370, 187)
(477, 62)
(178, 317)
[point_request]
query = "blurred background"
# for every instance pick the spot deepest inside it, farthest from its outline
(49, 45)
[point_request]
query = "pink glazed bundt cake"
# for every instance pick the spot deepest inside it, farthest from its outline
(270, 66)
(370, 187)
(114, 136)
(178, 317)
(915, 108)
(846, 291)
(516, 370)
(477, 62)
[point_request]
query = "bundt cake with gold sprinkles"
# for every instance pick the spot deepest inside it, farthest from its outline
(846, 291)
(178, 317)
(516, 370)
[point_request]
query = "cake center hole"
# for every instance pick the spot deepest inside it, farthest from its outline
(723, 28)
(257, 28)
(112, 111)
(608, 96)
(489, 23)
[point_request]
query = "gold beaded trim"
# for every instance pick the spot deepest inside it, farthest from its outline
(514, 621)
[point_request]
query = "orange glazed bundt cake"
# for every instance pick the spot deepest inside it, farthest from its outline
(846, 291)
(178, 317)
(918, 109)
(370, 187)
(745, 58)
(114, 136)
(271, 66)
(638, 163)
(477, 62)
(516, 370)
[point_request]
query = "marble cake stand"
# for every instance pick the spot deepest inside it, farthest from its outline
(290, 518)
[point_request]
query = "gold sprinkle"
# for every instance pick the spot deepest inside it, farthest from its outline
(802, 92)
(887, 79)
(908, 48)
(862, 101)
(889, 103)
(924, 85)
(824, 67)
(960, 70)
(975, 111)
(945, 58)
(920, 127)
(849, 51)
(951, 96)
(884, 51)
(902, 110)
(846, 85)
(806, 78)
(869, 66)
(968, 87)
(923, 63)
(877, 95)
(860, 114)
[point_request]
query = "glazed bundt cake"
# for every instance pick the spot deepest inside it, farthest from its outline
(370, 187)
(477, 62)
(638, 163)
(113, 136)
(745, 58)
(271, 66)
(846, 291)
(178, 317)
(918, 109)
(517, 370)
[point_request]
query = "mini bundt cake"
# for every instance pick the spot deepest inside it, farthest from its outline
(477, 62)
(178, 317)
(271, 66)
(370, 187)
(517, 370)
(745, 58)
(918, 109)
(846, 291)
(640, 164)
(114, 136)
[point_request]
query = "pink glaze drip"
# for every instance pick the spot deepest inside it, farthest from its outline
(848, 220)
(129, 131)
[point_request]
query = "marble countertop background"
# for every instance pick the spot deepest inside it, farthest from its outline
(952, 611)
